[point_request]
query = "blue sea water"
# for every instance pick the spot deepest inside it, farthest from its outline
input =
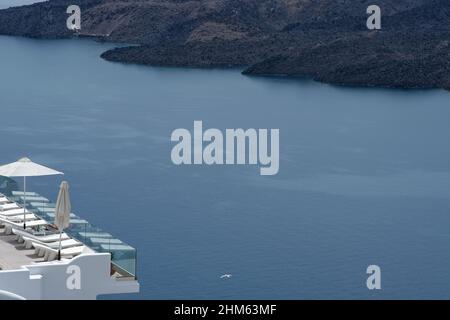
(364, 174)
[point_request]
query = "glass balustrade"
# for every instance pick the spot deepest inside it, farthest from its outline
(123, 256)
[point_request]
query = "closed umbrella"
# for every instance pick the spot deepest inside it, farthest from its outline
(62, 211)
(24, 167)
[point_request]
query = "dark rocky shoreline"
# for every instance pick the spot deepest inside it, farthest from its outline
(263, 37)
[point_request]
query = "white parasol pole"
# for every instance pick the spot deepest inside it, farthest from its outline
(60, 238)
(24, 202)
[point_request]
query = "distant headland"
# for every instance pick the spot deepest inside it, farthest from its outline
(325, 40)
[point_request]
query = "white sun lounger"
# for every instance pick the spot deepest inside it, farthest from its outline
(13, 212)
(105, 241)
(9, 225)
(8, 206)
(51, 254)
(41, 204)
(52, 215)
(46, 209)
(67, 243)
(78, 221)
(116, 247)
(14, 219)
(21, 193)
(46, 238)
(18, 218)
(94, 234)
(33, 199)
(4, 200)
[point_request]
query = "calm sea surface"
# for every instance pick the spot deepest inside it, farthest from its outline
(364, 174)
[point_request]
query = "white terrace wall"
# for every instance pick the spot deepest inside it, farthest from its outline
(83, 277)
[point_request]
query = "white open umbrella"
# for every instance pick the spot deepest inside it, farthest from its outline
(25, 168)
(62, 211)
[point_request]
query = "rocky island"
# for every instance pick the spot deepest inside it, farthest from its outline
(326, 40)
